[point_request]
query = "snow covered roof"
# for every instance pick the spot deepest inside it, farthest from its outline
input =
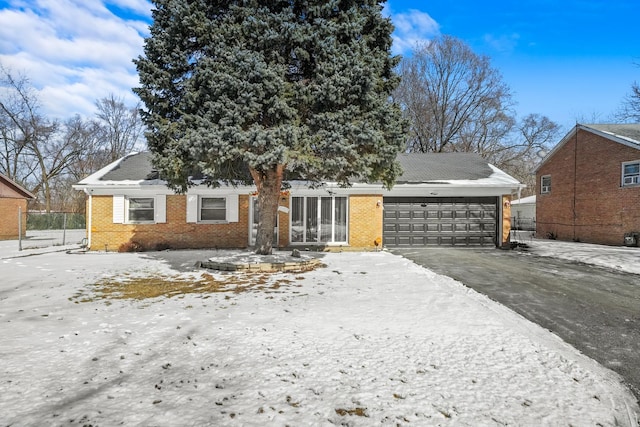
(623, 133)
(524, 201)
(134, 167)
(419, 169)
(426, 167)
(628, 132)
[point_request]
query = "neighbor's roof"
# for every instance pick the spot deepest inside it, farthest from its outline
(627, 131)
(418, 168)
(524, 200)
(623, 133)
(12, 190)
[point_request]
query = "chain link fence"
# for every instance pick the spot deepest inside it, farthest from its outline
(53, 229)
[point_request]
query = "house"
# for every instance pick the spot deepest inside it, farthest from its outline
(589, 186)
(13, 209)
(523, 213)
(441, 199)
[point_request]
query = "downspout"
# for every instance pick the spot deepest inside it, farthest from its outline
(575, 181)
(89, 216)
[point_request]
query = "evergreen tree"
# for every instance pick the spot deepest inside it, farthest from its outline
(278, 88)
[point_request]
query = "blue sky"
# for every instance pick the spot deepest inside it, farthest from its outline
(570, 60)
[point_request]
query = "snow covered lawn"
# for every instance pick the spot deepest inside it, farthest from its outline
(370, 339)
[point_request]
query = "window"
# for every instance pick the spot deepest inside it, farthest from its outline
(213, 209)
(545, 184)
(140, 209)
(631, 173)
(318, 219)
(137, 210)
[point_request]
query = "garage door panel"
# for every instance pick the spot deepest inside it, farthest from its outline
(440, 221)
(461, 227)
(461, 214)
(404, 227)
(419, 228)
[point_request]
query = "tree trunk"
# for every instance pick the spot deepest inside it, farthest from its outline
(268, 183)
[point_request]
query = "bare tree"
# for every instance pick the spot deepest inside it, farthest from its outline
(630, 110)
(28, 156)
(36, 151)
(453, 98)
(89, 157)
(19, 125)
(534, 136)
(120, 127)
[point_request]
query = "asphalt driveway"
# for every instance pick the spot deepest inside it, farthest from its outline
(596, 310)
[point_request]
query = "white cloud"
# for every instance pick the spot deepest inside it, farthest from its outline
(78, 51)
(74, 51)
(505, 43)
(412, 27)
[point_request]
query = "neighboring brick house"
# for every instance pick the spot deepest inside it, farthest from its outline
(441, 199)
(589, 185)
(13, 204)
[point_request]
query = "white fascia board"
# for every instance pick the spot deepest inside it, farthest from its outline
(421, 190)
(155, 187)
(223, 190)
(127, 190)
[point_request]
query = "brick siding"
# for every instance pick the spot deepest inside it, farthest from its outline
(365, 225)
(365, 221)
(600, 210)
(176, 233)
(9, 217)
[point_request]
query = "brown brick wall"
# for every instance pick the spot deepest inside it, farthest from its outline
(365, 221)
(9, 218)
(601, 211)
(176, 233)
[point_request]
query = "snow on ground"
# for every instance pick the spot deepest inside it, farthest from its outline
(370, 339)
(614, 257)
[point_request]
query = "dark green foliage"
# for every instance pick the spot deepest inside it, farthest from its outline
(55, 221)
(232, 86)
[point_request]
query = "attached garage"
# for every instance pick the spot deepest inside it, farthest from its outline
(448, 199)
(446, 221)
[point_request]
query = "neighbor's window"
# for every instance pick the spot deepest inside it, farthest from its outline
(545, 184)
(213, 209)
(140, 209)
(631, 173)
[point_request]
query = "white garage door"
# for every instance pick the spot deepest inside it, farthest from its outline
(428, 221)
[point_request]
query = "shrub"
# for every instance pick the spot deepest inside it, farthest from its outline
(162, 246)
(131, 246)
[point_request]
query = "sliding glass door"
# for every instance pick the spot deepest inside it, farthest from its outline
(318, 220)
